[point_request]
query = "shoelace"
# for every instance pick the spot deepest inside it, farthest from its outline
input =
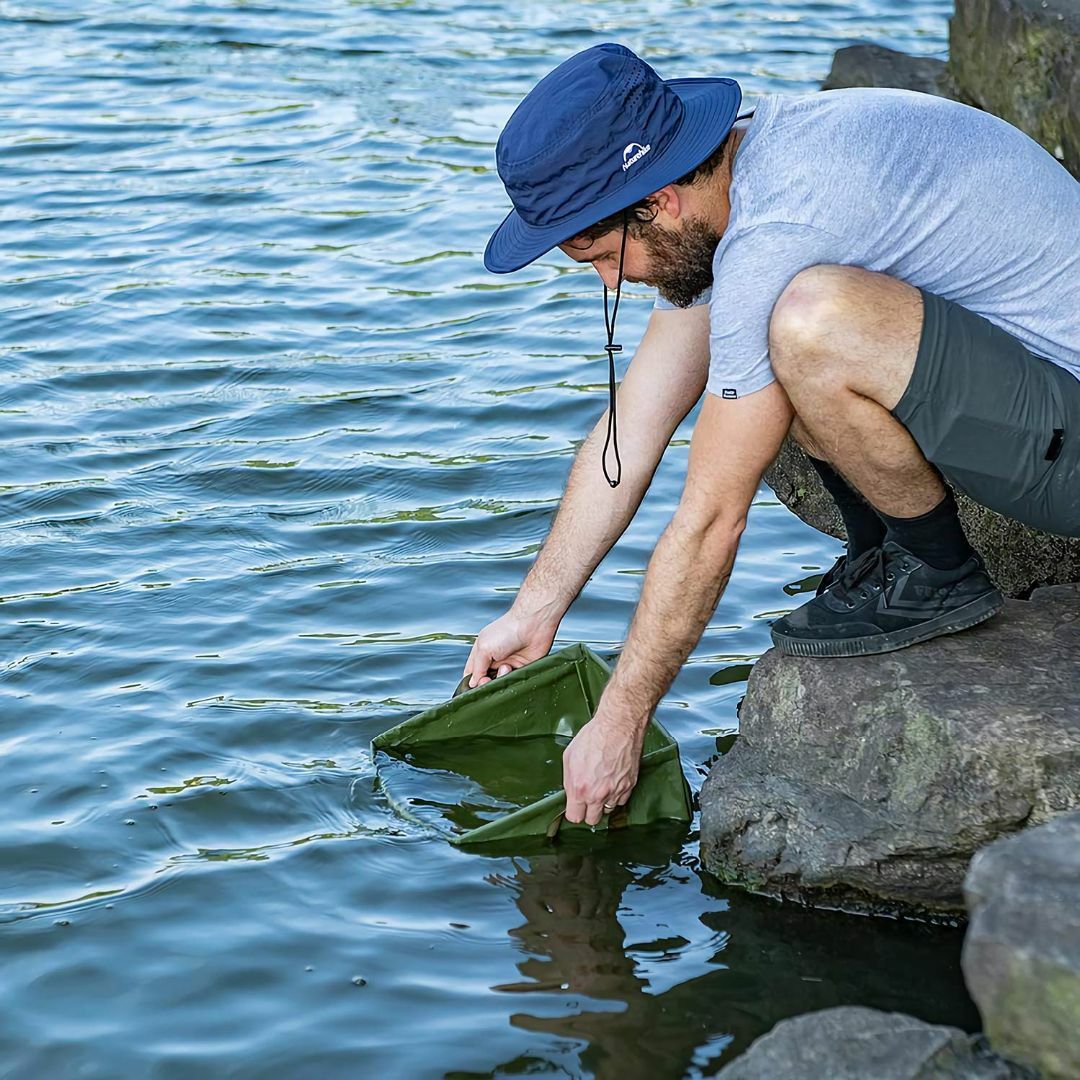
(868, 570)
(611, 349)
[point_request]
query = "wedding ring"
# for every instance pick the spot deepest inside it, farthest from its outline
(609, 807)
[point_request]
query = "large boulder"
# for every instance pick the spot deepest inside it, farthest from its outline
(874, 65)
(853, 1043)
(1022, 951)
(868, 783)
(1020, 59)
(1019, 558)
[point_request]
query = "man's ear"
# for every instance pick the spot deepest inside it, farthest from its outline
(668, 203)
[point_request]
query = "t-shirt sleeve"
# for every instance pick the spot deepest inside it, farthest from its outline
(752, 271)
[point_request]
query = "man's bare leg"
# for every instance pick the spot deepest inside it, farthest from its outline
(843, 343)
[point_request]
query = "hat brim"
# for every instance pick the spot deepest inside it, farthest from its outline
(709, 110)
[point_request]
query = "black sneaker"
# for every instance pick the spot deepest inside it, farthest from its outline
(887, 599)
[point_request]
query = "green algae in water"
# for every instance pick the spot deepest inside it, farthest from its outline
(465, 783)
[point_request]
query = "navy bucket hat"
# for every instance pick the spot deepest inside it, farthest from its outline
(596, 135)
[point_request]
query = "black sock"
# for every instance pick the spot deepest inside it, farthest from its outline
(936, 537)
(865, 529)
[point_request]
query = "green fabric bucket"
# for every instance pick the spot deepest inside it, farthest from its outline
(554, 696)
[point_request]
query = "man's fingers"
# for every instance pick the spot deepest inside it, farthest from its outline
(481, 662)
(577, 809)
(486, 677)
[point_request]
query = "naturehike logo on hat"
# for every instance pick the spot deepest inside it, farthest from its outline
(629, 156)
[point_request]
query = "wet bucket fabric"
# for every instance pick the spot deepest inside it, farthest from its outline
(548, 701)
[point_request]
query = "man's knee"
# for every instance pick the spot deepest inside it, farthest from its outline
(815, 304)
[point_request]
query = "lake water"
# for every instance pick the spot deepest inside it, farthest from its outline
(460, 784)
(276, 448)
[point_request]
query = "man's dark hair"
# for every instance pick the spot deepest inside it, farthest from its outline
(643, 212)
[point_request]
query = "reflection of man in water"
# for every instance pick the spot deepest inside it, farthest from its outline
(576, 948)
(727, 971)
(892, 277)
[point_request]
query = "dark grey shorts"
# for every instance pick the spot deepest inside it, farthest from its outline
(1001, 423)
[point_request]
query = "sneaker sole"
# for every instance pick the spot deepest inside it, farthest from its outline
(969, 615)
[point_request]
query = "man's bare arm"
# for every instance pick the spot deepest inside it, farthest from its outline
(733, 444)
(664, 380)
(662, 383)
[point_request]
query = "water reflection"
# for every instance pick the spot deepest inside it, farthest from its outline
(576, 946)
(643, 984)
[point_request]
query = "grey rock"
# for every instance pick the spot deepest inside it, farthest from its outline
(874, 65)
(1020, 59)
(853, 1043)
(1019, 558)
(868, 783)
(1022, 951)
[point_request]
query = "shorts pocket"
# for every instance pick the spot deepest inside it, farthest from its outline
(1061, 487)
(998, 455)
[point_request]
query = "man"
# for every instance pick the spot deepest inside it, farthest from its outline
(895, 279)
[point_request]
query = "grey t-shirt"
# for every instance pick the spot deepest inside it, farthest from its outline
(935, 193)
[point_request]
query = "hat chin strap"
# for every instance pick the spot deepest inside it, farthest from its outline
(611, 349)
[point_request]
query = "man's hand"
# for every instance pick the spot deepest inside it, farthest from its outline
(510, 642)
(600, 766)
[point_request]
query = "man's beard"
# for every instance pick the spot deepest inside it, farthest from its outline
(681, 260)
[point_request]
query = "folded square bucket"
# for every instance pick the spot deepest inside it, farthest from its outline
(489, 731)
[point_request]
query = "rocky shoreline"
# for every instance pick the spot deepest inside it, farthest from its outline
(869, 783)
(1021, 963)
(942, 781)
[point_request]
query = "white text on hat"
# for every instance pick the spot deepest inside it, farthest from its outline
(630, 155)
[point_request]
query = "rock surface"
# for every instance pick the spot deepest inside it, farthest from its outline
(874, 65)
(1020, 59)
(1020, 559)
(868, 783)
(1022, 950)
(853, 1043)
